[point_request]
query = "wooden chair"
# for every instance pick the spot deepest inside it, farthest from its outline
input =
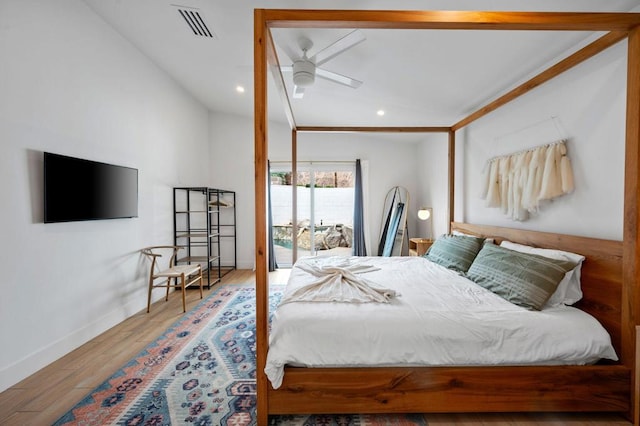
(182, 275)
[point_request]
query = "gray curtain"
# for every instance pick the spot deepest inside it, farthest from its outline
(272, 253)
(359, 248)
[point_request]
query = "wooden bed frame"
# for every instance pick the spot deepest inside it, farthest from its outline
(610, 280)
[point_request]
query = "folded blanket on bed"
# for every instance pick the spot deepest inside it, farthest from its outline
(338, 282)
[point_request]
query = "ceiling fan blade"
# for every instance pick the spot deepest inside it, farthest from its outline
(291, 53)
(338, 78)
(286, 68)
(338, 47)
(298, 92)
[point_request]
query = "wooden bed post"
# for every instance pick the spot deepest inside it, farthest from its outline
(636, 391)
(631, 242)
(452, 176)
(294, 196)
(261, 36)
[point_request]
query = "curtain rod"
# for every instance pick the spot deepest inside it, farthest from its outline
(513, 154)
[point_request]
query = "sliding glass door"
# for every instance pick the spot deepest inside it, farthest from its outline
(324, 210)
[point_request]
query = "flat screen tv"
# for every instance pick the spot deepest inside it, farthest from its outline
(77, 189)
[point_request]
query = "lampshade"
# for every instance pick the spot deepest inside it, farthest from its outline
(424, 213)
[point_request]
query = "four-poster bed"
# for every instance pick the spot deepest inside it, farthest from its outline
(610, 273)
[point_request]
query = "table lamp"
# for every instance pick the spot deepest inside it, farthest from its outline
(426, 213)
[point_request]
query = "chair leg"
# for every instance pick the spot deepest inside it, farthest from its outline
(166, 298)
(201, 282)
(149, 295)
(184, 294)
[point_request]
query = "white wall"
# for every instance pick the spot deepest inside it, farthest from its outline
(585, 105)
(434, 189)
(69, 84)
(389, 162)
(231, 168)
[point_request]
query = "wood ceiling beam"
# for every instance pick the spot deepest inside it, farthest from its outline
(578, 57)
(454, 20)
(372, 129)
(274, 66)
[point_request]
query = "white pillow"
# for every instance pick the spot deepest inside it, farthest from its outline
(568, 291)
(456, 232)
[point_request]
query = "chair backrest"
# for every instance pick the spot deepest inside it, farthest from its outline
(155, 252)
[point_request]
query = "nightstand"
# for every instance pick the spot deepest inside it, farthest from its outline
(419, 246)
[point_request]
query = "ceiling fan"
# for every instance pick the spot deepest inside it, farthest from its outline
(306, 67)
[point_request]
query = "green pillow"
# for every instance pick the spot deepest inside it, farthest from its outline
(454, 251)
(524, 279)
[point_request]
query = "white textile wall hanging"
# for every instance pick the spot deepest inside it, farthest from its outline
(517, 183)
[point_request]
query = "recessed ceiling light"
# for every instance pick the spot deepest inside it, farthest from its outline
(380, 112)
(240, 89)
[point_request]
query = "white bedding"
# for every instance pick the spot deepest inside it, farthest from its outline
(437, 318)
(339, 281)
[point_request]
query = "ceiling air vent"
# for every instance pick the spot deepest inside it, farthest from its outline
(195, 20)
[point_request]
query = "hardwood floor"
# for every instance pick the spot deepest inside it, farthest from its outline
(46, 395)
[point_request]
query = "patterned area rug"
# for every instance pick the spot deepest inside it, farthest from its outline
(201, 371)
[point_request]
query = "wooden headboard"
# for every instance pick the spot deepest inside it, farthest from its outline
(601, 271)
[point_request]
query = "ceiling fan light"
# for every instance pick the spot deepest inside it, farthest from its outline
(304, 73)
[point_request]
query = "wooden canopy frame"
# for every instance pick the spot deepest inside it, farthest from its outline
(441, 389)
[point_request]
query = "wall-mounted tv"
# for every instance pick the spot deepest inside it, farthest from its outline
(77, 189)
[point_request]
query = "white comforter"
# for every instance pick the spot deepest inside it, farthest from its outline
(437, 318)
(341, 280)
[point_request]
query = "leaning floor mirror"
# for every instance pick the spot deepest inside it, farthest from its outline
(393, 230)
